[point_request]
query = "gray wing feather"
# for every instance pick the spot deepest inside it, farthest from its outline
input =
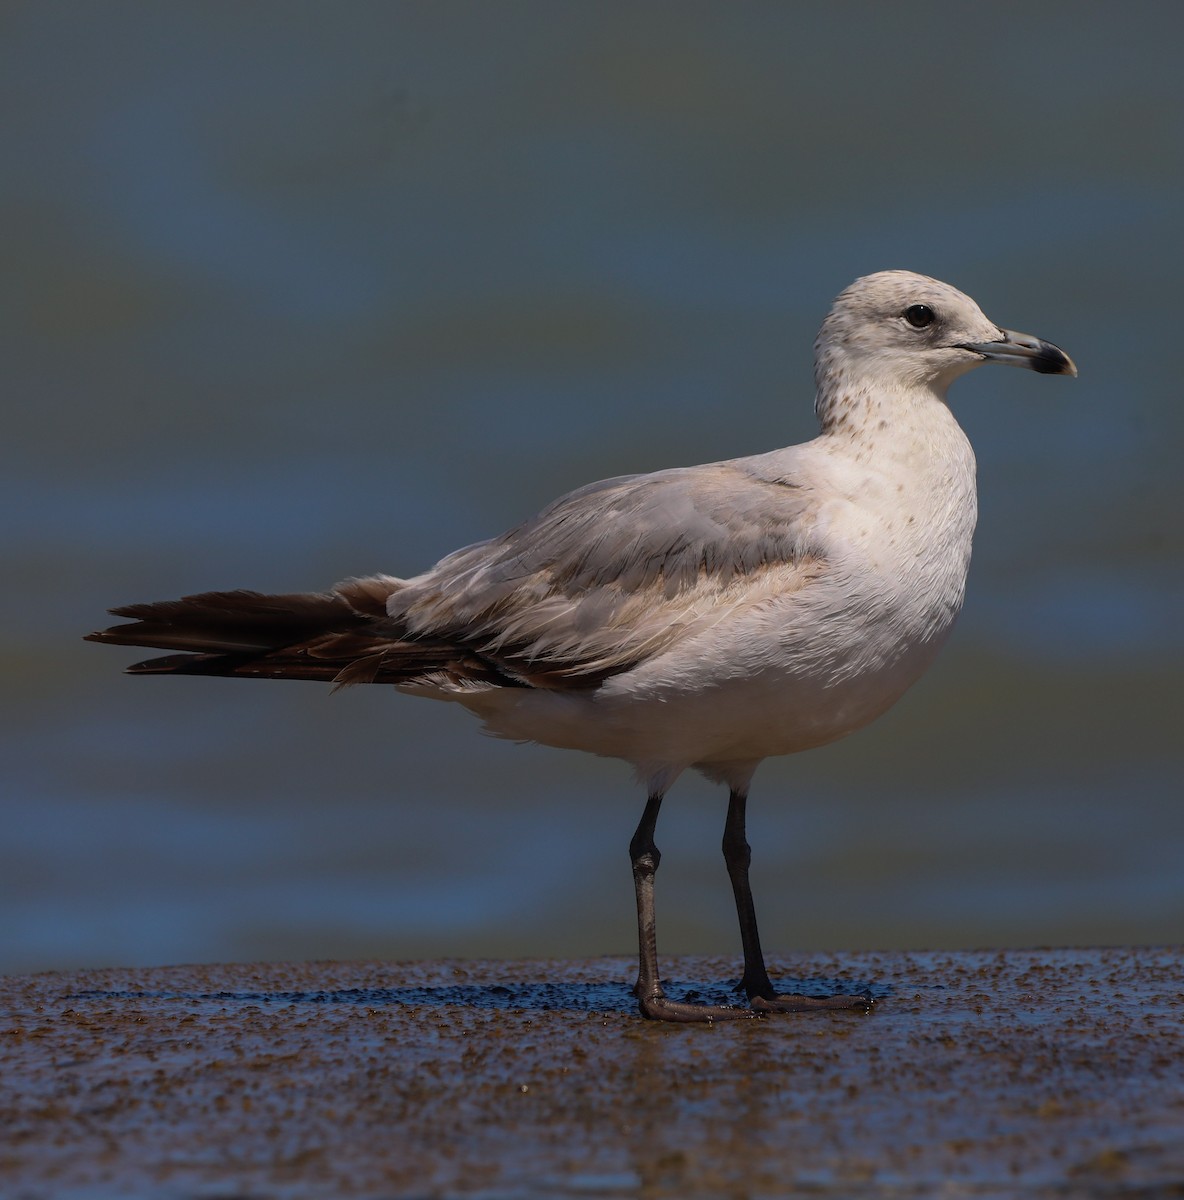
(616, 571)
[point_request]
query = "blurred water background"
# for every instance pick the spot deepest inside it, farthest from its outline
(293, 291)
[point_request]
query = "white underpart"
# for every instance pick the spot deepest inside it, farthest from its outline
(794, 653)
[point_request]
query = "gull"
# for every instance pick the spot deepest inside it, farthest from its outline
(699, 618)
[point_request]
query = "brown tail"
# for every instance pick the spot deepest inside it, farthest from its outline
(237, 633)
(342, 637)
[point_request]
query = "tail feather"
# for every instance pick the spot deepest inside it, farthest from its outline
(340, 637)
(237, 633)
(230, 621)
(242, 666)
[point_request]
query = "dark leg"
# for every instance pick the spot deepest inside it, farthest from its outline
(756, 984)
(650, 997)
(737, 857)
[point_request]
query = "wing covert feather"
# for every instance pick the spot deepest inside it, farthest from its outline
(616, 571)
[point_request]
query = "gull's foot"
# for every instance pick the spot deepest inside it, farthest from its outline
(792, 1003)
(659, 1008)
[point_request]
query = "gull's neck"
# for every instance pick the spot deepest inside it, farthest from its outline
(907, 474)
(887, 417)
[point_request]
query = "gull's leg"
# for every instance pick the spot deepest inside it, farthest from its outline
(756, 983)
(651, 999)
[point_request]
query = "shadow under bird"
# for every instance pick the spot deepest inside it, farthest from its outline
(702, 617)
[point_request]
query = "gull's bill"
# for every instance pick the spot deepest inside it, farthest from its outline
(1024, 350)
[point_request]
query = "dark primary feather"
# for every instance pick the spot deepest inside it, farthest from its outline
(233, 622)
(319, 636)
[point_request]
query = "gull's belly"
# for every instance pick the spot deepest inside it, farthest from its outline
(786, 709)
(778, 680)
(795, 687)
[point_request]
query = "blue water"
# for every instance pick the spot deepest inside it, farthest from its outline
(296, 291)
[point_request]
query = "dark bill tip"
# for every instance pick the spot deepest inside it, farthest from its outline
(1023, 350)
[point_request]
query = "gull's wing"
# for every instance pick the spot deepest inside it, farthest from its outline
(615, 572)
(600, 581)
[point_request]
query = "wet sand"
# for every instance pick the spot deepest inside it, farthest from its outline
(1051, 1072)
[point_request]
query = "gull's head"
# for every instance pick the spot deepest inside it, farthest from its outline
(898, 329)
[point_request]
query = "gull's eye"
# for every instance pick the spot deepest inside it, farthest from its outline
(919, 315)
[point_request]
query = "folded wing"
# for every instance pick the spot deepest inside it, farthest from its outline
(601, 580)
